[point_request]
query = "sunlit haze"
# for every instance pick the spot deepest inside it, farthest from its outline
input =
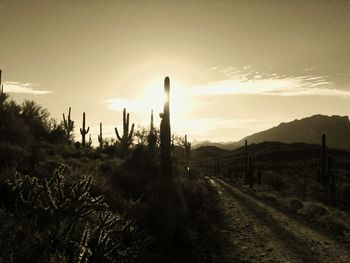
(235, 67)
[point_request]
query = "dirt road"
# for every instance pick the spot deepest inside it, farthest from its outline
(256, 232)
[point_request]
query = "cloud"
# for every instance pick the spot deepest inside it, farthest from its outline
(248, 81)
(218, 128)
(26, 88)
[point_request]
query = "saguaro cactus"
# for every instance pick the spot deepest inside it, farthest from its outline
(246, 162)
(259, 174)
(100, 138)
(68, 124)
(187, 149)
(250, 171)
(126, 138)
(330, 179)
(83, 131)
(152, 137)
(90, 141)
(2, 93)
(324, 161)
(165, 133)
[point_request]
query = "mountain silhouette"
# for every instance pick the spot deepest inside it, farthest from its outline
(308, 130)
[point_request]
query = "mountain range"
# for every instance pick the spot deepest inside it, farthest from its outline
(307, 130)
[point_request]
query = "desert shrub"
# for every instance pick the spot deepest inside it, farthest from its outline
(11, 154)
(136, 173)
(273, 180)
(338, 222)
(315, 191)
(294, 204)
(313, 210)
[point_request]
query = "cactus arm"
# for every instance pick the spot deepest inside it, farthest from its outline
(88, 129)
(131, 132)
(118, 136)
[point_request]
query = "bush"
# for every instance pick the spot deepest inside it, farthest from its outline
(274, 180)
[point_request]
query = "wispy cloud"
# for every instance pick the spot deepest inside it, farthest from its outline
(26, 88)
(248, 81)
(218, 128)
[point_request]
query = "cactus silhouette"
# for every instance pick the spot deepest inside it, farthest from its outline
(250, 171)
(100, 138)
(187, 149)
(165, 133)
(246, 162)
(90, 141)
(259, 173)
(331, 179)
(152, 137)
(324, 161)
(126, 138)
(2, 93)
(68, 124)
(84, 131)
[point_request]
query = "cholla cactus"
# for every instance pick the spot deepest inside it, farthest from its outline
(61, 209)
(84, 131)
(68, 125)
(126, 138)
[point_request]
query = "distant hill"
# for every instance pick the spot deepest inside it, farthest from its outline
(222, 145)
(308, 130)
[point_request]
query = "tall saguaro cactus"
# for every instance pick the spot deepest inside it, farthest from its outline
(83, 131)
(100, 138)
(165, 133)
(68, 124)
(324, 161)
(2, 93)
(251, 171)
(152, 137)
(126, 138)
(246, 172)
(187, 149)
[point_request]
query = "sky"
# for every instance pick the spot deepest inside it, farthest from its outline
(235, 67)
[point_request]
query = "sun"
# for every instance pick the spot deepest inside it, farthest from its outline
(153, 97)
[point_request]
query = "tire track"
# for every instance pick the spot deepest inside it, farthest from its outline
(261, 233)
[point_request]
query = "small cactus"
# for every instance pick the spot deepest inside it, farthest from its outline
(126, 138)
(68, 125)
(84, 131)
(100, 138)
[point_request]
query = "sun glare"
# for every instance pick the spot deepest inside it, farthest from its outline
(153, 97)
